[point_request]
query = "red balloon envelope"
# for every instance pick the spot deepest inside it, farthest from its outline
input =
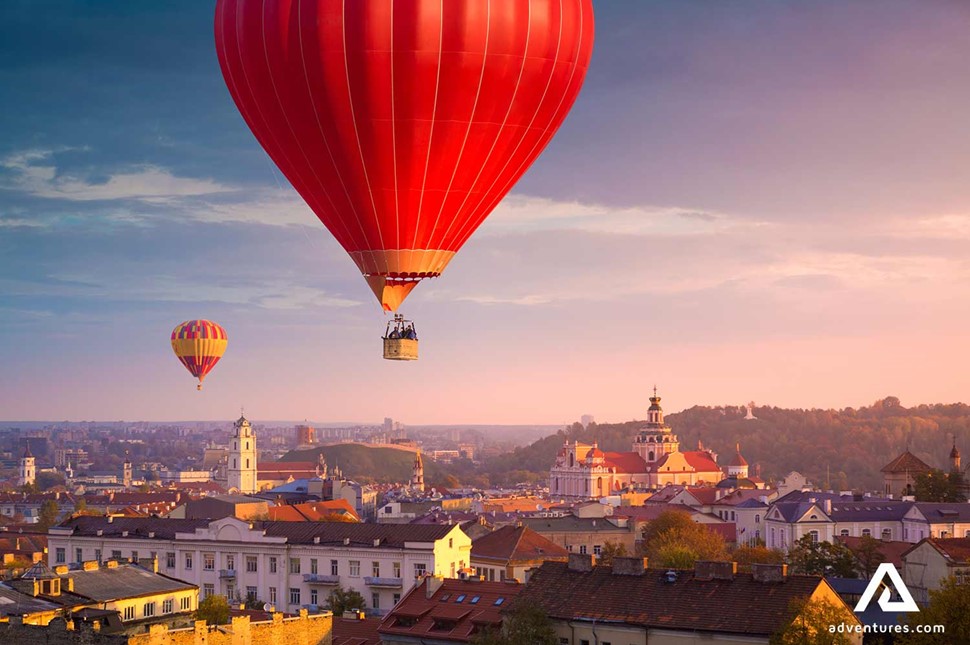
(403, 123)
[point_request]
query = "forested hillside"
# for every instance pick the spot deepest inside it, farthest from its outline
(851, 445)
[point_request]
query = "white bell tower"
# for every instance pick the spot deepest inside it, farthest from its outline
(241, 470)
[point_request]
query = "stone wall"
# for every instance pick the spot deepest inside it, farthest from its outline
(302, 630)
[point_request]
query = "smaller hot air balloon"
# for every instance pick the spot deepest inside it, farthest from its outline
(199, 344)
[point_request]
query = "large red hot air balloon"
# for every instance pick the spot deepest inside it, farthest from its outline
(403, 123)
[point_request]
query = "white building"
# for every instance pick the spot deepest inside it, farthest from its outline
(287, 564)
(241, 470)
(28, 469)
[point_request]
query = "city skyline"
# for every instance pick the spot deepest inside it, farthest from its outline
(769, 205)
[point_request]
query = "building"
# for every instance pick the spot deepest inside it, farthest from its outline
(511, 552)
(215, 507)
(447, 611)
(627, 603)
(825, 516)
(417, 473)
(586, 420)
(899, 475)
(28, 468)
(287, 564)
(584, 471)
(241, 469)
(584, 534)
(305, 435)
(927, 564)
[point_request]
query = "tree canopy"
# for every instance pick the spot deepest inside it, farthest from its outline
(676, 541)
(822, 558)
(214, 610)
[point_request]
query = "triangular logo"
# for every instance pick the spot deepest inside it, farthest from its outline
(906, 602)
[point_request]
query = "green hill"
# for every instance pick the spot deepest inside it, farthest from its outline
(369, 464)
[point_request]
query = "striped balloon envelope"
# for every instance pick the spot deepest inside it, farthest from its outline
(199, 344)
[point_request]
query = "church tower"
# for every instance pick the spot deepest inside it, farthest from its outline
(241, 473)
(417, 473)
(738, 466)
(655, 439)
(28, 470)
(126, 472)
(955, 458)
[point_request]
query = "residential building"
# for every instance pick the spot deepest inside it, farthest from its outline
(936, 519)
(511, 552)
(927, 564)
(447, 611)
(287, 564)
(584, 535)
(626, 603)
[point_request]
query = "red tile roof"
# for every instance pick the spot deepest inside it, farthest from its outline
(740, 605)
(906, 463)
(354, 631)
(626, 462)
(454, 612)
(517, 544)
(701, 461)
(313, 511)
(957, 550)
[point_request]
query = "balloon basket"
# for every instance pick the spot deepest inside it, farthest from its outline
(400, 340)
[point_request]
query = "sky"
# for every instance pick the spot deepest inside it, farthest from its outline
(750, 200)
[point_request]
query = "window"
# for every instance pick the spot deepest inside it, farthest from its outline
(170, 559)
(419, 569)
(148, 610)
(498, 602)
(116, 555)
(188, 560)
(334, 568)
(168, 606)
(251, 594)
(375, 600)
(97, 555)
(355, 568)
(313, 596)
(596, 549)
(460, 598)
(844, 533)
(185, 603)
(272, 564)
(887, 534)
(451, 543)
(251, 563)
(130, 612)
(134, 556)
(563, 640)
(582, 549)
(208, 561)
(397, 598)
(80, 556)
(231, 561)
(294, 596)
(294, 565)
(313, 566)
(866, 532)
(272, 595)
(208, 590)
(814, 535)
(60, 556)
(396, 567)
(375, 569)
(757, 519)
(230, 592)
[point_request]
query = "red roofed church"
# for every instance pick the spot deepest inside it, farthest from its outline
(584, 471)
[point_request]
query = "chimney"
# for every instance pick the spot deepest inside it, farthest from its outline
(61, 569)
(629, 566)
(827, 506)
(90, 565)
(432, 584)
(708, 570)
(111, 564)
(581, 562)
(769, 572)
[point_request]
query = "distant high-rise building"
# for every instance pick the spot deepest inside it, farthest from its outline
(305, 435)
(587, 419)
(241, 471)
(388, 426)
(28, 469)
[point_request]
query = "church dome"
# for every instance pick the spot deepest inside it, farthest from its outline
(954, 454)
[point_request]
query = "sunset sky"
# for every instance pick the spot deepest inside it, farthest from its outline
(763, 201)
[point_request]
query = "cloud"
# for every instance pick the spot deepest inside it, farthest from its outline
(32, 176)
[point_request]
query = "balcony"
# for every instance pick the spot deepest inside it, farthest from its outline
(383, 583)
(320, 579)
(227, 574)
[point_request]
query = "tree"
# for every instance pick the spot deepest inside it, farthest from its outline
(48, 514)
(745, 556)
(46, 481)
(811, 621)
(80, 505)
(525, 624)
(938, 486)
(869, 555)
(214, 610)
(674, 540)
(949, 606)
(342, 600)
(611, 550)
(822, 558)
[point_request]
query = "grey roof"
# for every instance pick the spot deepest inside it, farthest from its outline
(124, 581)
(15, 603)
(569, 523)
(751, 503)
(945, 511)
(875, 510)
(331, 533)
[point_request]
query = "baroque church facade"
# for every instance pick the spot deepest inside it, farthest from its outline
(584, 471)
